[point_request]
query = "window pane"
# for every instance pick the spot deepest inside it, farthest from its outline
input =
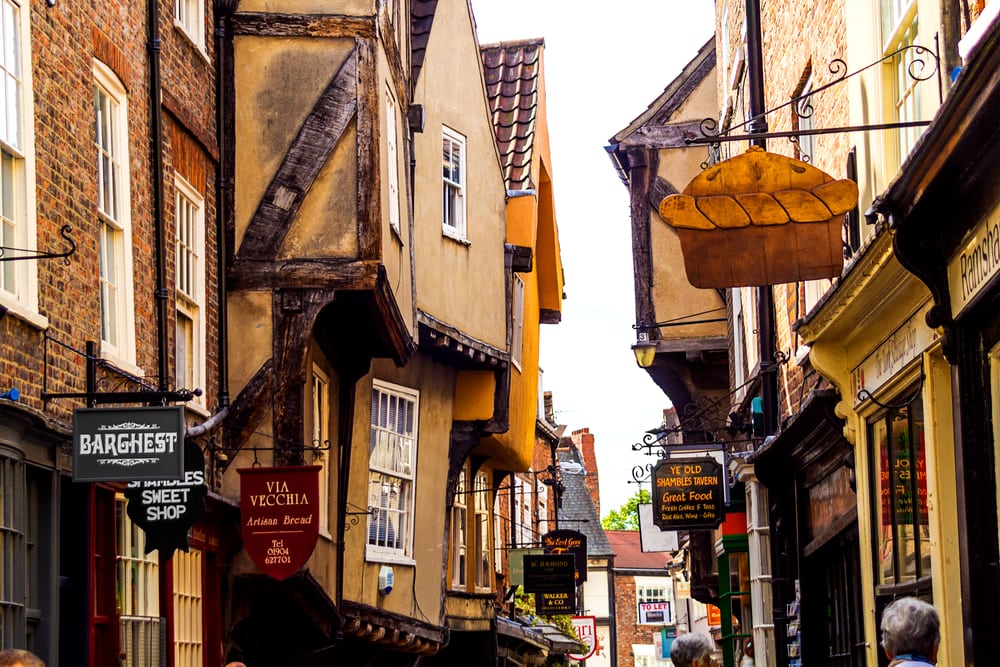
(885, 570)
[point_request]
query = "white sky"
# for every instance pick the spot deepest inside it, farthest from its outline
(604, 64)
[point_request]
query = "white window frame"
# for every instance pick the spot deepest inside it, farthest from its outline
(189, 273)
(321, 443)
(481, 532)
(189, 608)
(18, 279)
(804, 113)
(460, 533)
(517, 321)
(189, 18)
(13, 538)
(113, 207)
(453, 201)
(900, 28)
(138, 572)
(393, 460)
(392, 158)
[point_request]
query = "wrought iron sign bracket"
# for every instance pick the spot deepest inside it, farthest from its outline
(355, 517)
(917, 69)
(24, 253)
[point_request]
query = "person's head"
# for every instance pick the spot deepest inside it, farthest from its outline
(911, 626)
(15, 657)
(694, 649)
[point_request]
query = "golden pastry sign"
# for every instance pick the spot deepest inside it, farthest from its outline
(760, 219)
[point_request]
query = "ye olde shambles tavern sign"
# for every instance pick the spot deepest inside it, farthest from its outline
(123, 445)
(688, 493)
(279, 514)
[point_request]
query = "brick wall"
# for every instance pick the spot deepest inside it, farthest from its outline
(584, 441)
(627, 622)
(65, 41)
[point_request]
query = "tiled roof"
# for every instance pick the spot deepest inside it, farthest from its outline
(421, 19)
(629, 554)
(578, 512)
(512, 71)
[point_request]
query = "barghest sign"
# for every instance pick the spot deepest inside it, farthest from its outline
(279, 516)
(166, 509)
(124, 445)
(688, 493)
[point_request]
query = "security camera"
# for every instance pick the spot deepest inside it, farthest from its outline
(386, 577)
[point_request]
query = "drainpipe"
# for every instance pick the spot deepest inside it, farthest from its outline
(224, 9)
(349, 373)
(162, 294)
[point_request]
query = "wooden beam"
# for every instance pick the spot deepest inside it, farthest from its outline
(304, 273)
(663, 136)
(271, 24)
(319, 134)
(247, 410)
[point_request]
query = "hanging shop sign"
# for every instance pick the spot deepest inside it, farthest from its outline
(167, 509)
(549, 573)
(568, 542)
(124, 445)
(562, 603)
(516, 559)
(760, 219)
(976, 264)
(585, 628)
(688, 493)
(279, 517)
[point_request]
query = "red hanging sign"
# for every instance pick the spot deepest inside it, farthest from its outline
(279, 512)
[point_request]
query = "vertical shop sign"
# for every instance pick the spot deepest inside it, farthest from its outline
(585, 628)
(279, 516)
(167, 509)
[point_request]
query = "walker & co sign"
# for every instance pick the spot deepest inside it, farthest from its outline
(124, 445)
(688, 493)
(167, 509)
(568, 542)
(279, 511)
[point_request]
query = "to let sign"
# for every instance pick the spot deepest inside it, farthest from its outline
(123, 445)
(279, 513)
(688, 493)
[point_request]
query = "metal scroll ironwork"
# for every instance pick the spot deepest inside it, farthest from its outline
(922, 66)
(25, 253)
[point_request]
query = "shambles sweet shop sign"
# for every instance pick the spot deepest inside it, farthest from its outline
(279, 511)
(122, 445)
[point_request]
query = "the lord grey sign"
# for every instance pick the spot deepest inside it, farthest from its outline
(120, 445)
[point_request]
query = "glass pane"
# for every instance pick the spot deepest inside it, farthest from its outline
(884, 567)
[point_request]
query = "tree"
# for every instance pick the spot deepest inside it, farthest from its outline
(626, 517)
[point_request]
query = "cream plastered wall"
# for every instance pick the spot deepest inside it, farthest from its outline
(397, 245)
(459, 283)
(277, 83)
(422, 577)
(868, 100)
(842, 338)
(673, 295)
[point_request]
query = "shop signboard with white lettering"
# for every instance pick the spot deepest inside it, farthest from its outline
(560, 603)
(167, 509)
(125, 445)
(655, 613)
(279, 517)
(688, 493)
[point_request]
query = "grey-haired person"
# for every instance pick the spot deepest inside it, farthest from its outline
(911, 633)
(16, 657)
(694, 649)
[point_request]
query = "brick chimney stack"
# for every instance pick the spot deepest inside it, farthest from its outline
(584, 441)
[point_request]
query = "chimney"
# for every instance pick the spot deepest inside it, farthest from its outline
(584, 441)
(550, 413)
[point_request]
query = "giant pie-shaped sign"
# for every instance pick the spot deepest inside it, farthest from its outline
(760, 219)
